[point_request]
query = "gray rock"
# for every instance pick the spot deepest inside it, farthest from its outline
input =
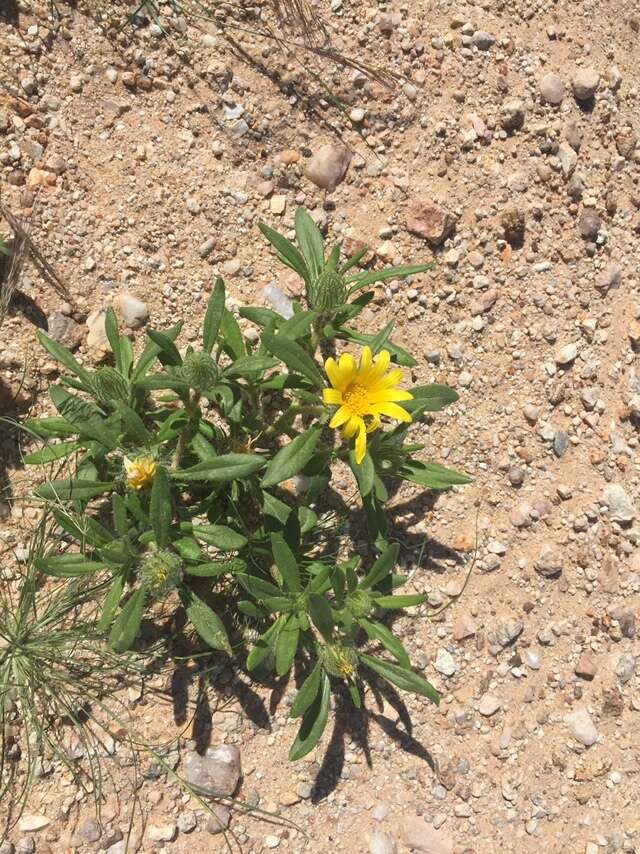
(560, 443)
(620, 507)
(217, 771)
(589, 224)
(575, 187)
(586, 667)
(64, 330)
(483, 40)
(219, 821)
(32, 822)
(552, 89)
(187, 821)
(133, 311)
(445, 663)
(611, 277)
(89, 831)
(382, 843)
(567, 354)
(568, 159)
(328, 166)
(573, 134)
(585, 83)
(549, 562)
(582, 727)
(26, 846)
(430, 220)
(512, 115)
(163, 832)
(625, 668)
(420, 836)
(508, 633)
(489, 705)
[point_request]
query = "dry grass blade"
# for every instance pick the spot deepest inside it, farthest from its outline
(10, 269)
(297, 16)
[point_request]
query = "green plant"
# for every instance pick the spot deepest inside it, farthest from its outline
(181, 462)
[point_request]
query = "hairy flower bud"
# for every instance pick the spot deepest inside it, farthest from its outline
(109, 385)
(340, 661)
(200, 371)
(328, 292)
(161, 571)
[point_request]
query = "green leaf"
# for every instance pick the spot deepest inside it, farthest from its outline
(213, 316)
(310, 242)
(287, 646)
(133, 425)
(264, 645)
(260, 316)
(113, 336)
(257, 587)
(119, 513)
(401, 356)
(65, 357)
(187, 548)
(215, 568)
(379, 632)
(161, 507)
(220, 536)
(223, 468)
(286, 563)
(52, 427)
(86, 418)
(232, 335)
(68, 566)
(361, 280)
(294, 357)
(364, 472)
(395, 602)
(379, 340)
(298, 325)
(167, 350)
(73, 490)
(431, 475)
(127, 624)
(307, 693)
(382, 568)
(52, 453)
(151, 352)
(401, 677)
(207, 623)
(430, 398)
(111, 602)
(353, 260)
(250, 365)
(313, 723)
(287, 252)
(84, 528)
(291, 458)
(320, 613)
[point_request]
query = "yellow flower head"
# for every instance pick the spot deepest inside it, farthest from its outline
(363, 393)
(140, 472)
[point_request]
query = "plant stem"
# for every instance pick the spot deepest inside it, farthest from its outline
(191, 408)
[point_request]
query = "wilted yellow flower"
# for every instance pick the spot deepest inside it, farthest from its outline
(140, 472)
(364, 392)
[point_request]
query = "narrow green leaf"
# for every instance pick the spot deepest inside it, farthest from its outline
(364, 472)
(379, 632)
(286, 563)
(213, 316)
(291, 458)
(161, 507)
(187, 548)
(113, 336)
(287, 252)
(52, 453)
(260, 316)
(133, 425)
(151, 351)
(257, 587)
(378, 341)
(220, 536)
(313, 723)
(249, 366)
(401, 677)
(430, 398)
(207, 623)
(287, 646)
(264, 645)
(320, 613)
(65, 357)
(85, 417)
(353, 260)
(223, 468)
(363, 279)
(127, 624)
(167, 351)
(310, 242)
(431, 475)
(52, 427)
(111, 602)
(401, 356)
(73, 490)
(382, 568)
(216, 568)
(298, 325)
(119, 513)
(294, 357)
(232, 335)
(395, 602)
(68, 566)
(307, 693)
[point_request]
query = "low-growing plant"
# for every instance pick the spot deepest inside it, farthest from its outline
(182, 468)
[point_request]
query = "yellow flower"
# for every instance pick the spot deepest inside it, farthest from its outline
(140, 471)
(364, 392)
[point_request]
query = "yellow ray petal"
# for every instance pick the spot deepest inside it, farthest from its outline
(342, 415)
(361, 444)
(392, 378)
(352, 426)
(333, 372)
(366, 359)
(380, 365)
(374, 424)
(332, 396)
(392, 410)
(389, 395)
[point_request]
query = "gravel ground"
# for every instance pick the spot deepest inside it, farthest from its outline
(508, 152)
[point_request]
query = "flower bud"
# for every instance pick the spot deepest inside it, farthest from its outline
(160, 572)
(109, 385)
(200, 371)
(328, 292)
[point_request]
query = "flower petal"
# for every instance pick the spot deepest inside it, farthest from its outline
(361, 444)
(352, 426)
(388, 395)
(366, 359)
(341, 416)
(374, 424)
(380, 365)
(332, 396)
(333, 372)
(392, 410)
(394, 377)
(348, 369)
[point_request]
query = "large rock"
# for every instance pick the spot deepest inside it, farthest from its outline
(217, 771)
(328, 166)
(552, 89)
(382, 843)
(97, 335)
(582, 727)
(549, 562)
(64, 330)
(620, 507)
(420, 836)
(133, 311)
(585, 83)
(430, 220)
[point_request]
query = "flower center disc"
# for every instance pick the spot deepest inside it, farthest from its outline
(356, 398)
